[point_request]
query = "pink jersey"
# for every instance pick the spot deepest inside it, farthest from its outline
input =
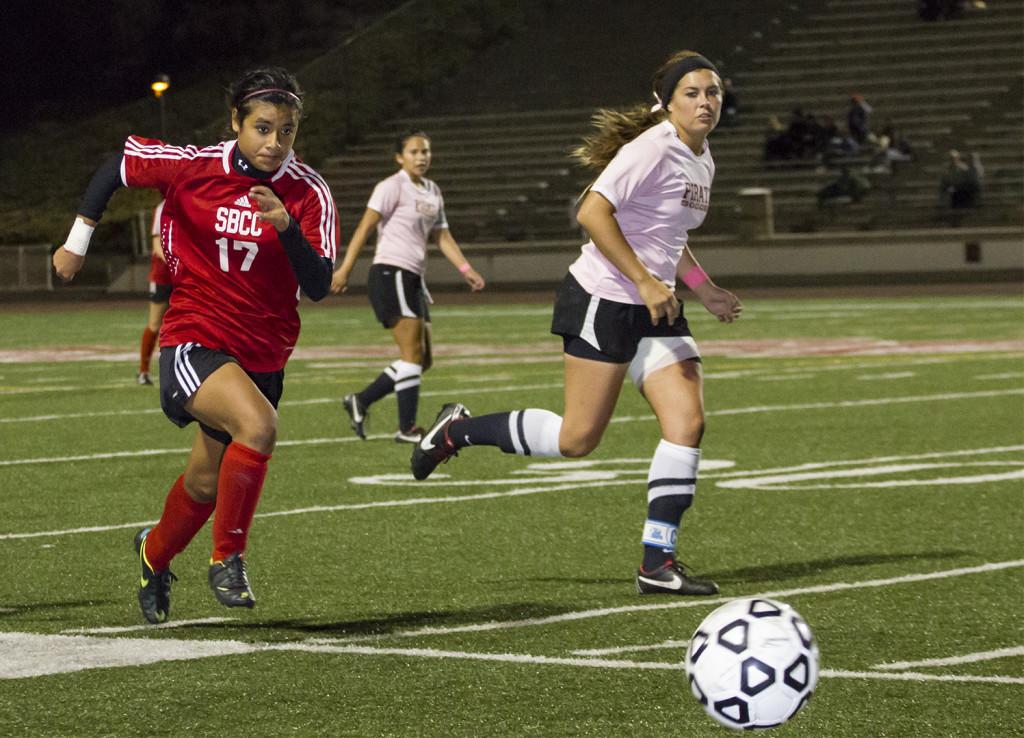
(409, 213)
(234, 289)
(660, 191)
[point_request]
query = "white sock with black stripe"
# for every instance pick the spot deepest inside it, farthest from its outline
(407, 390)
(671, 484)
(530, 432)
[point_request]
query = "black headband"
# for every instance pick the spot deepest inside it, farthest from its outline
(679, 70)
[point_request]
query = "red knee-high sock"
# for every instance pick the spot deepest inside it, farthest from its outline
(242, 472)
(181, 520)
(146, 350)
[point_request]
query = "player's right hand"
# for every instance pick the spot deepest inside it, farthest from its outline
(661, 301)
(339, 282)
(66, 264)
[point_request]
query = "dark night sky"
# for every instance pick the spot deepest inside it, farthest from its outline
(65, 59)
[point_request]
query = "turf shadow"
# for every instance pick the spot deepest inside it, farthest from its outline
(10, 610)
(797, 569)
(387, 624)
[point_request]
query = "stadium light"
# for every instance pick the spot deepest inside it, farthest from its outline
(160, 85)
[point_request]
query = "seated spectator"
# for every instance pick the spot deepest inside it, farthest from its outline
(960, 186)
(858, 114)
(892, 149)
(730, 103)
(847, 187)
(776, 141)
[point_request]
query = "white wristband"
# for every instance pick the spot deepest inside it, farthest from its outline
(78, 240)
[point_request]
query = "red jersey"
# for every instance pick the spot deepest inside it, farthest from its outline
(158, 271)
(234, 288)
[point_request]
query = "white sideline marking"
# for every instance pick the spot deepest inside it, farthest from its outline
(887, 375)
(1003, 375)
(967, 658)
(114, 629)
(630, 649)
(697, 602)
(30, 654)
(573, 486)
(621, 419)
(786, 481)
(910, 676)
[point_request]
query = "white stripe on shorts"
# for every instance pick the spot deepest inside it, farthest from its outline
(587, 332)
(400, 291)
(187, 377)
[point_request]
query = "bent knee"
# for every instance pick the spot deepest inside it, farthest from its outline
(579, 446)
(258, 431)
(201, 486)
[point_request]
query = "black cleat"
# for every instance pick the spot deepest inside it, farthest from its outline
(671, 578)
(356, 414)
(435, 446)
(230, 582)
(154, 586)
(413, 435)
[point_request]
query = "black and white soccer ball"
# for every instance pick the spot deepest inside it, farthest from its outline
(752, 663)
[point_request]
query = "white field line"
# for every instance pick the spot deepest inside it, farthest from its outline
(631, 649)
(677, 605)
(573, 486)
(115, 629)
(621, 419)
(28, 655)
(775, 374)
(967, 658)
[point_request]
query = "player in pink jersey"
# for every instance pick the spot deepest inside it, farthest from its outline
(159, 298)
(245, 227)
(407, 209)
(617, 311)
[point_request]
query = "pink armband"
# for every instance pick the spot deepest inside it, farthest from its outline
(465, 267)
(695, 277)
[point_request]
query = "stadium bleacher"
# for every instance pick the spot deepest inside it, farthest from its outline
(945, 84)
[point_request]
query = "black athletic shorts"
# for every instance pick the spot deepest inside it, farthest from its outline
(603, 330)
(396, 293)
(183, 368)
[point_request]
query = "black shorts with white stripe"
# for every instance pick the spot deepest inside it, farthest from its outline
(396, 293)
(604, 330)
(183, 368)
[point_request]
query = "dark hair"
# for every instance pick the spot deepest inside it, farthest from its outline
(278, 86)
(400, 141)
(616, 128)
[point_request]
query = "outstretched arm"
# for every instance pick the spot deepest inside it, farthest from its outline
(454, 254)
(721, 303)
(69, 258)
(369, 221)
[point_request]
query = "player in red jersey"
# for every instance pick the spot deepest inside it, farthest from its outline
(159, 298)
(245, 226)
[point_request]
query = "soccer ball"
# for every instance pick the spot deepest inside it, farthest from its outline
(752, 663)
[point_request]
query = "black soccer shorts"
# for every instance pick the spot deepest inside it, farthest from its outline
(184, 367)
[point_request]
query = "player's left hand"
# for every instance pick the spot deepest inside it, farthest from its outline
(271, 208)
(721, 303)
(474, 280)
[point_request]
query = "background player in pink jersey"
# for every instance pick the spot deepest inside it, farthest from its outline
(407, 209)
(159, 298)
(245, 226)
(617, 311)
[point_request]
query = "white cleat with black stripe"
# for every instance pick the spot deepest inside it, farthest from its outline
(671, 578)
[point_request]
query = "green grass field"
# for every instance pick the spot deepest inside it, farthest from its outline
(864, 462)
